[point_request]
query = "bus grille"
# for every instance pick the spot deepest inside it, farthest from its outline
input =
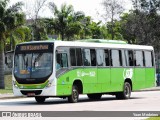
(37, 92)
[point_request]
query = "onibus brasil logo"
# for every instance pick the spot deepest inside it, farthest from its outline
(128, 73)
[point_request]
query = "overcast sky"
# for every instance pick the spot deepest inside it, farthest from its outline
(91, 8)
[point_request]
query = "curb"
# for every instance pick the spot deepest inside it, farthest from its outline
(11, 96)
(147, 90)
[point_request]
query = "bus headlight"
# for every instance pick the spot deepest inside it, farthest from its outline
(49, 85)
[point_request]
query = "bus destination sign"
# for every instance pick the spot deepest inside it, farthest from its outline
(33, 47)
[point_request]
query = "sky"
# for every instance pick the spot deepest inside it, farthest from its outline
(92, 8)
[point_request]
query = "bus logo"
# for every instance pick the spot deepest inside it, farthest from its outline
(82, 74)
(128, 73)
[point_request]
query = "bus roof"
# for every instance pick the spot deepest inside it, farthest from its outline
(94, 43)
(103, 41)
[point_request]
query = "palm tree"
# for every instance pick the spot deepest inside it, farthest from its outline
(61, 16)
(74, 24)
(20, 34)
(10, 19)
(66, 22)
(85, 32)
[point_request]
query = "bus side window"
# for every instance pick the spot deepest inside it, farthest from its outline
(131, 58)
(58, 61)
(86, 57)
(76, 57)
(120, 58)
(116, 58)
(148, 58)
(124, 61)
(73, 56)
(93, 57)
(79, 57)
(64, 60)
(61, 61)
(144, 62)
(139, 59)
(107, 57)
(100, 57)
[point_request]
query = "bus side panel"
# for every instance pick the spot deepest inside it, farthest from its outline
(90, 81)
(139, 78)
(150, 77)
(65, 81)
(103, 79)
(117, 80)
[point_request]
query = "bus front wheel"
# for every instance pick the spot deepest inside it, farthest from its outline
(40, 99)
(126, 92)
(73, 98)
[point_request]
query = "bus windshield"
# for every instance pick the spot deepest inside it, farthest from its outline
(33, 65)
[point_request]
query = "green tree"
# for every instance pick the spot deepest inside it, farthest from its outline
(104, 32)
(128, 27)
(36, 24)
(86, 31)
(113, 9)
(9, 20)
(74, 24)
(20, 34)
(147, 21)
(96, 30)
(67, 22)
(60, 22)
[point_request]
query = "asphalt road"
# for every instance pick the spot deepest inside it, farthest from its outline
(140, 101)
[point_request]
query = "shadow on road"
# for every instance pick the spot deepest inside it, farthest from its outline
(52, 101)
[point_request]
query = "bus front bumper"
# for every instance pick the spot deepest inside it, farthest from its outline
(47, 91)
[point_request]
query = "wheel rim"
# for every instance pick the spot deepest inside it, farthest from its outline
(127, 91)
(75, 95)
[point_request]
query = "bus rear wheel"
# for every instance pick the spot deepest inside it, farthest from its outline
(73, 98)
(95, 96)
(126, 92)
(40, 99)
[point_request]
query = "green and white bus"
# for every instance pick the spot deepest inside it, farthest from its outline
(66, 69)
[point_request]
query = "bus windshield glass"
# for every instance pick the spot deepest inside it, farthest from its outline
(33, 65)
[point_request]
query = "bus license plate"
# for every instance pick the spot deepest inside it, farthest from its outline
(30, 94)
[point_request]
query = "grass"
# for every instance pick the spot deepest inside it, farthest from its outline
(8, 85)
(153, 118)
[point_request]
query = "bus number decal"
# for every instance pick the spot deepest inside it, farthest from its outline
(82, 74)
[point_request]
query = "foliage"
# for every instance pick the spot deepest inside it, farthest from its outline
(146, 22)
(21, 34)
(113, 9)
(8, 85)
(10, 19)
(36, 25)
(95, 30)
(67, 22)
(153, 118)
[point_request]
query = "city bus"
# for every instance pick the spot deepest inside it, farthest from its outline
(65, 69)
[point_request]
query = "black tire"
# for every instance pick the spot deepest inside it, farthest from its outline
(126, 92)
(73, 98)
(95, 96)
(40, 99)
